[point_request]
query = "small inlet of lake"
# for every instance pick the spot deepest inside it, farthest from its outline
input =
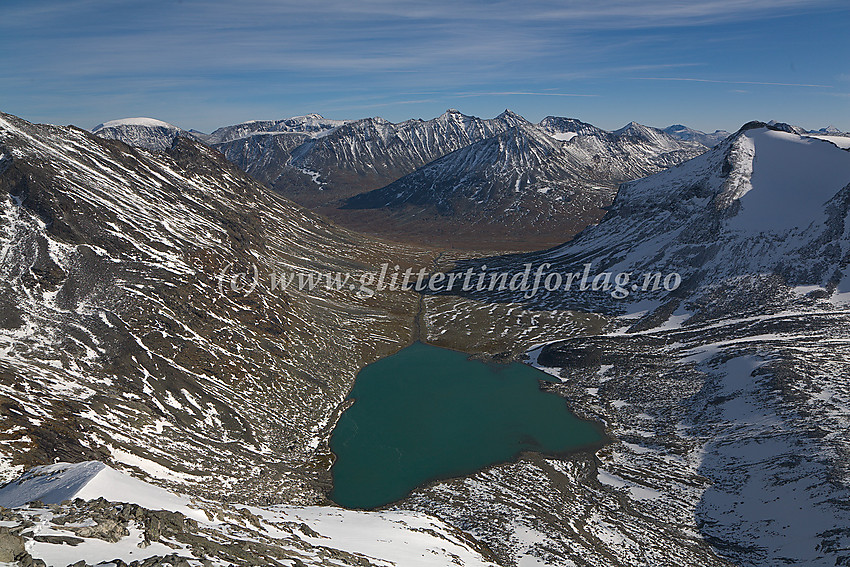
(427, 413)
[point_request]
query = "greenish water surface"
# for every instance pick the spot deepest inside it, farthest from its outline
(427, 413)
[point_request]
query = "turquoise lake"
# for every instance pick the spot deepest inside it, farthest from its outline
(427, 413)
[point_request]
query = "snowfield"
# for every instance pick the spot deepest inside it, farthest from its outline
(382, 538)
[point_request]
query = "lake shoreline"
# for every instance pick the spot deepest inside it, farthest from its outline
(522, 418)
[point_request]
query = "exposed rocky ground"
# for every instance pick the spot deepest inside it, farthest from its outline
(725, 400)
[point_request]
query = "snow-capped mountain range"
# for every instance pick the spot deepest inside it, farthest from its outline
(565, 169)
(726, 401)
(322, 163)
(311, 125)
(684, 133)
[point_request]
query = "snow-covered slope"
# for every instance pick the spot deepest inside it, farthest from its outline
(727, 400)
(89, 480)
(147, 133)
(163, 524)
(117, 345)
(763, 202)
(840, 140)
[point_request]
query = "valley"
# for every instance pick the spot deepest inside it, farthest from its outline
(454, 181)
(424, 284)
(719, 399)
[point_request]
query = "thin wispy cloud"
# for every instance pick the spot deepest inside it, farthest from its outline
(626, 14)
(520, 93)
(604, 14)
(386, 104)
(725, 82)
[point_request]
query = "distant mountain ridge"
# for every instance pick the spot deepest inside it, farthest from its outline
(546, 180)
(451, 179)
(351, 156)
(147, 133)
(312, 125)
(684, 133)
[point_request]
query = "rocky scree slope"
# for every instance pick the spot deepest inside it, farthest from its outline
(115, 344)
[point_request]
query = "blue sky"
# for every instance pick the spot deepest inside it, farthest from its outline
(205, 63)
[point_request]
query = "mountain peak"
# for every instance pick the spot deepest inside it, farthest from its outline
(632, 127)
(785, 127)
(138, 121)
(566, 128)
(685, 133)
(311, 116)
(637, 130)
(512, 118)
(828, 130)
(452, 114)
(148, 133)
